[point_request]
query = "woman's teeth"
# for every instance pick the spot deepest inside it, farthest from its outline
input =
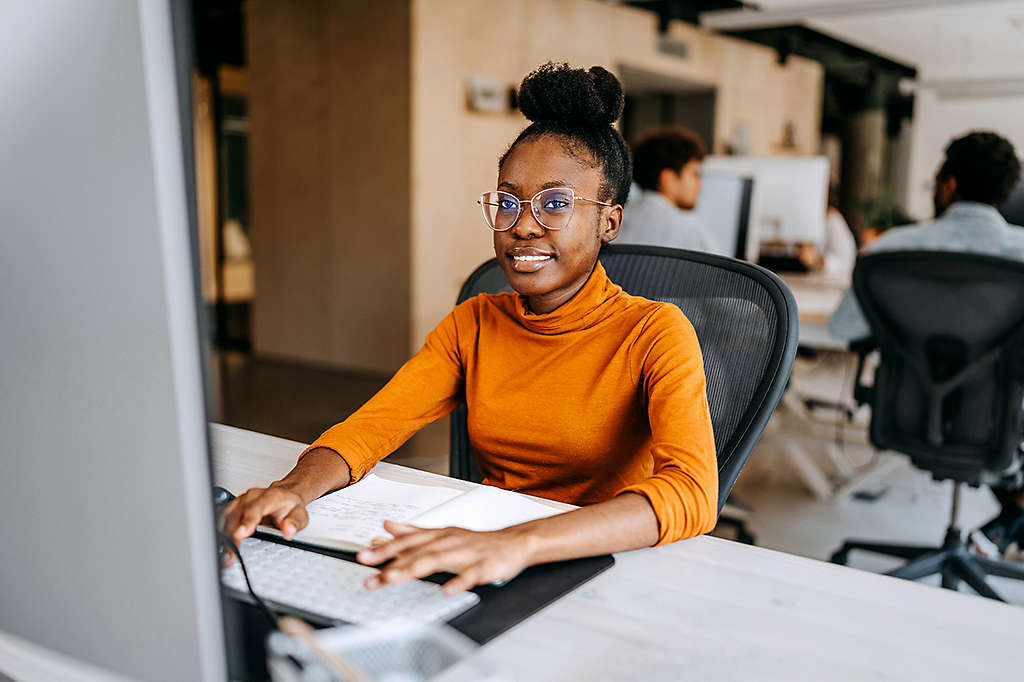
(531, 258)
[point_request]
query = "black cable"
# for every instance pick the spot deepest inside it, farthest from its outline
(265, 610)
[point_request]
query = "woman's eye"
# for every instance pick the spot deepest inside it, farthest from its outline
(507, 205)
(555, 204)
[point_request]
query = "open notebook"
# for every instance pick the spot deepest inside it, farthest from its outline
(352, 518)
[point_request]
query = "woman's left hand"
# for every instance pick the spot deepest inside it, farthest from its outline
(476, 558)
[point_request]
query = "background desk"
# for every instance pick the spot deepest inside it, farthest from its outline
(816, 297)
(710, 609)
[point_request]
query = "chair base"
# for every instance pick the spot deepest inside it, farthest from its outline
(953, 561)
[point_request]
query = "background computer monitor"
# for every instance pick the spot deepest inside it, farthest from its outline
(1013, 209)
(107, 535)
(789, 196)
(724, 207)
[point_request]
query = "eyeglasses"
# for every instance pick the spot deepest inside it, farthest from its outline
(552, 208)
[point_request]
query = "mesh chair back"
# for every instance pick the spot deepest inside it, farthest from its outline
(948, 391)
(746, 323)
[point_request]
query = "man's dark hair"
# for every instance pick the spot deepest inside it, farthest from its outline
(670, 148)
(579, 106)
(985, 166)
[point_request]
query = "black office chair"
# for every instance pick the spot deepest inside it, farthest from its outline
(950, 330)
(746, 323)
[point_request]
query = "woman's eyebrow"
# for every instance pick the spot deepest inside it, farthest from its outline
(547, 185)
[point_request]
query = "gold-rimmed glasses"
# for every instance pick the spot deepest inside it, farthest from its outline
(552, 208)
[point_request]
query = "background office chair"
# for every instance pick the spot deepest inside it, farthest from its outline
(950, 329)
(746, 323)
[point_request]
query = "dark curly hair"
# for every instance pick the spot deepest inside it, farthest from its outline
(985, 166)
(578, 106)
(666, 148)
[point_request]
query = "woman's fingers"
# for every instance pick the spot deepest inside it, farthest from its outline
(475, 558)
(399, 529)
(290, 519)
(467, 579)
(247, 511)
(393, 548)
(445, 555)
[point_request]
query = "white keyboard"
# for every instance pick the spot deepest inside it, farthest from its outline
(333, 588)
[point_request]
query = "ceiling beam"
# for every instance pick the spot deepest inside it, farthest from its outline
(745, 19)
(974, 88)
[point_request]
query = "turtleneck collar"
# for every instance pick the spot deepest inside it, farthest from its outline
(581, 311)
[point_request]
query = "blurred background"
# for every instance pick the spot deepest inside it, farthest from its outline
(340, 147)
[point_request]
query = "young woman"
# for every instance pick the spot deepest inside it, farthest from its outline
(577, 391)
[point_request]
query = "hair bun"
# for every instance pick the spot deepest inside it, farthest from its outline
(556, 93)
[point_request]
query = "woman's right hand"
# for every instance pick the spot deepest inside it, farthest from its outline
(283, 503)
(276, 504)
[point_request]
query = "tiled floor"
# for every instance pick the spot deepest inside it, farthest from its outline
(298, 402)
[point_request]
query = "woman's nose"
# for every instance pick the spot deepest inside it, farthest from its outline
(527, 227)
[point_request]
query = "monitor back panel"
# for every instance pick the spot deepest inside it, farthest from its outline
(107, 539)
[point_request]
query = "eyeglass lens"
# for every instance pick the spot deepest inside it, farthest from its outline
(552, 208)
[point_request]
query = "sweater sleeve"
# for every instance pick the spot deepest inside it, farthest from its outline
(427, 387)
(683, 488)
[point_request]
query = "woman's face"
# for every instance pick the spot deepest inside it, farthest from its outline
(568, 255)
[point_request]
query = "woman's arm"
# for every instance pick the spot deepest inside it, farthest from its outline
(617, 525)
(427, 387)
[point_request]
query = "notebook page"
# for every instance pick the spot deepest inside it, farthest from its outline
(485, 508)
(353, 517)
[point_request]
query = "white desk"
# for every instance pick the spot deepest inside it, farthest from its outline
(709, 609)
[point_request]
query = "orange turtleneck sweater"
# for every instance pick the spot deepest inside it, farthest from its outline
(603, 396)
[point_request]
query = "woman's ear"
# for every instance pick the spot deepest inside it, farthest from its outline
(611, 224)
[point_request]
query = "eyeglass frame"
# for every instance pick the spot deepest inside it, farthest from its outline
(533, 209)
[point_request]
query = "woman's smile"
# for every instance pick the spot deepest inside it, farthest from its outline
(529, 259)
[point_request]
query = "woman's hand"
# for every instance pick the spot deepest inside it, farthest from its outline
(283, 503)
(277, 504)
(476, 558)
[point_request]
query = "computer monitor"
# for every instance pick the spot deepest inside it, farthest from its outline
(1013, 209)
(107, 537)
(789, 196)
(724, 207)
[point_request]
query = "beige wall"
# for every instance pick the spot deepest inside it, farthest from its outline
(366, 162)
(455, 151)
(329, 139)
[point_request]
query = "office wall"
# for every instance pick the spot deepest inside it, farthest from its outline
(329, 139)
(938, 120)
(366, 161)
(455, 151)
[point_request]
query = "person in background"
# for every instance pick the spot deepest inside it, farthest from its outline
(978, 174)
(666, 175)
(839, 248)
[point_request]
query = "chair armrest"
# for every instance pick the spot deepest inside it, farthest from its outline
(862, 394)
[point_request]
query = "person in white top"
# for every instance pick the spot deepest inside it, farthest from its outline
(840, 249)
(666, 175)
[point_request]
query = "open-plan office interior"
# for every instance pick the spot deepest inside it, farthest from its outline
(524, 340)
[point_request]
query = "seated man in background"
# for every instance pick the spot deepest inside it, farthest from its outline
(978, 174)
(666, 184)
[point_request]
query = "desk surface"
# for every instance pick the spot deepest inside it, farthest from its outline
(711, 609)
